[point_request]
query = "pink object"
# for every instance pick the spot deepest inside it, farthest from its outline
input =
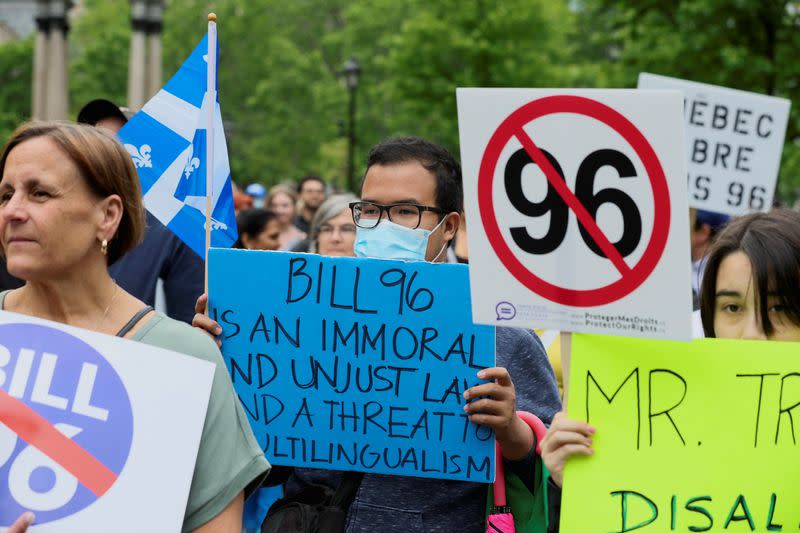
(538, 427)
(500, 523)
(500, 520)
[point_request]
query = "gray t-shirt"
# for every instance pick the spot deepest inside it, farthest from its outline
(394, 504)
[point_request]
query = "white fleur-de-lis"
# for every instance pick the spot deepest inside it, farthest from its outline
(141, 155)
(216, 224)
(205, 58)
(190, 167)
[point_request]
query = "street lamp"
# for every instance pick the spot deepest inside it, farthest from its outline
(351, 72)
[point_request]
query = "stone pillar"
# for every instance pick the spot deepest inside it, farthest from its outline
(39, 93)
(136, 66)
(155, 16)
(57, 87)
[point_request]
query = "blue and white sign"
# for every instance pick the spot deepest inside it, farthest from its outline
(87, 422)
(78, 399)
(355, 364)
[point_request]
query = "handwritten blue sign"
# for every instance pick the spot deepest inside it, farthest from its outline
(354, 364)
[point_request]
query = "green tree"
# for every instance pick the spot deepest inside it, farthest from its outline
(99, 47)
(741, 44)
(281, 86)
(16, 66)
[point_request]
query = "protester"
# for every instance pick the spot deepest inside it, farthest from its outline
(241, 200)
(751, 291)
(333, 232)
(258, 193)
(70, 203)
(259, 229)
(311, 193)
(161, 255)
(411, 197)
(705, 227)
(104, 114)
(282, 200)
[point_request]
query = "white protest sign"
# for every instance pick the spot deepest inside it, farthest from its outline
(734, 141)
(576, 210)
(96, 433)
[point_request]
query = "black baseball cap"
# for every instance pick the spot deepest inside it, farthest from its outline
(98, 109)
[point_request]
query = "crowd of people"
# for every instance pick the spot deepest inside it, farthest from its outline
(74, 236)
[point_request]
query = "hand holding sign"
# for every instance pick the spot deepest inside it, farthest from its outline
(565, 438)
(495, 405)
(22, 524)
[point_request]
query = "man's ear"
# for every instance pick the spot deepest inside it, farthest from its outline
(246, 240)
(450, 226)
(109, 215)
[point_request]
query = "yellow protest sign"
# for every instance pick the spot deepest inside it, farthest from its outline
(693, 436)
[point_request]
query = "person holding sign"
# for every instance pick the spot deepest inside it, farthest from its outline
(751, 290)
(70, 204)
(411, 197)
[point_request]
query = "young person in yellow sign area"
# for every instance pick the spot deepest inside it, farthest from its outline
(751, 290)
(411, 197)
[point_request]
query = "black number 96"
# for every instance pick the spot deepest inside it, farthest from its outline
(584, 192)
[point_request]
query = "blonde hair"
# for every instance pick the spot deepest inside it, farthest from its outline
(103, 163)
(275, 190)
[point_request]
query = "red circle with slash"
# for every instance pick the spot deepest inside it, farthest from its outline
(630, 277)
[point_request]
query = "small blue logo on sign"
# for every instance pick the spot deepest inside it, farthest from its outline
(505, 311)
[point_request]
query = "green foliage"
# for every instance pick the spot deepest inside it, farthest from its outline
(285, 104)
(741, 44)
(99, 47)
(16, 65)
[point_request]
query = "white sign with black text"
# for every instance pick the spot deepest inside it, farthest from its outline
(734, 141)
(576, 210)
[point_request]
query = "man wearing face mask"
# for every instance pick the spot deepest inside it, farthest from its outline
(411, 197)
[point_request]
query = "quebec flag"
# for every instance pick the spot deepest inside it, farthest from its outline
(167, 141)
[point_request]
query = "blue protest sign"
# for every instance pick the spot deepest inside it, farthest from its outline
(66, 423)
(354, 364)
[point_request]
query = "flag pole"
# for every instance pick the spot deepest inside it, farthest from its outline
(211, 95)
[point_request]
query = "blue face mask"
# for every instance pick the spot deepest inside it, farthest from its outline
(388, 240)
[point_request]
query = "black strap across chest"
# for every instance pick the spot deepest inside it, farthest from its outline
(134, 320)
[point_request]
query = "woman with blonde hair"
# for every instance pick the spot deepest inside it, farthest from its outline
(282, 200)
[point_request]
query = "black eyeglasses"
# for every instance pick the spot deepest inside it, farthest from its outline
(367, 215)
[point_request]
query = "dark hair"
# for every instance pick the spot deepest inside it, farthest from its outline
(714, 221)
(103, 163)
(771, 242)
(251, 222)
(99, 109)
(306, 179)
(436, 159)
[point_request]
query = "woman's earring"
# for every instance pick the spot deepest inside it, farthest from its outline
(104, 247)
